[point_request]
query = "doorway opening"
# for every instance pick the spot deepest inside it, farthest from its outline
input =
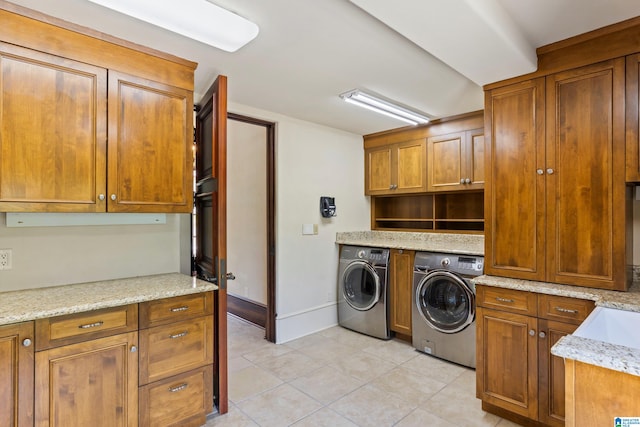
(251, 220)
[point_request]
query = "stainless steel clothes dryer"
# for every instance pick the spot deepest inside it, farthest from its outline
(362, 290)
(444, 306)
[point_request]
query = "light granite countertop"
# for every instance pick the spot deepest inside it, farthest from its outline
(40, 303)
(611, 356)
(466, 244)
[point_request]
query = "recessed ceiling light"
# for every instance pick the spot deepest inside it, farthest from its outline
(196, 19)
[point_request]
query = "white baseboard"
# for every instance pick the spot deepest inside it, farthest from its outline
(296, 325)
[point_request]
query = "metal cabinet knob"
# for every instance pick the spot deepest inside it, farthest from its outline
(550, 171)
(101, 197)
(461, 180)
(532, 332)
(467, 181)
(133, 349)
(540, 172)
(26, 342)
(542, 334)
(113, 197)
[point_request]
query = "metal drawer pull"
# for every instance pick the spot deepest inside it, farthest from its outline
(177, 309)
(504, 300)
(180, 335)
(178, 388)
(566, 310)
(91, 325)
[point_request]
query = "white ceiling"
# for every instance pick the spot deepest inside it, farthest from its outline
(310, 51)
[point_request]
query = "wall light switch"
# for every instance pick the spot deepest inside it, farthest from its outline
(309, 229)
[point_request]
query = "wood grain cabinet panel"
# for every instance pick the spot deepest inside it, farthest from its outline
(90, 383)
(16, 375)
(401, 287)
(517, 377)
(398, 168)
(632, 114)
(456, 161)
(556, 204)
(66, 113)
(514, 192)
(169, 310)
(52, 132)
(149, 162)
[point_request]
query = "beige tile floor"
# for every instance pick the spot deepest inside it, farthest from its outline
(337, 377)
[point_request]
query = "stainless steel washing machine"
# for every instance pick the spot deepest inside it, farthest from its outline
(362, 290)
(444, 306)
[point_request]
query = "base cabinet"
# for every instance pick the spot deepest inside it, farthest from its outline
(517, 377)
(92, 383)
(16, 375)
(400, 286)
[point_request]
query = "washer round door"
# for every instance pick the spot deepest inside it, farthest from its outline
(445, 302)
(360, 285)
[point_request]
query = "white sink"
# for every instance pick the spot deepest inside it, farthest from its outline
(613, 326)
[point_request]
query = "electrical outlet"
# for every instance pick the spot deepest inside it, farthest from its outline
(5, 259)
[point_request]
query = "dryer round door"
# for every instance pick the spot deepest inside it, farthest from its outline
(360, 285)
(445, 302)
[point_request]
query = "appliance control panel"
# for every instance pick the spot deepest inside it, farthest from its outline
(469, 263)
(465, 265)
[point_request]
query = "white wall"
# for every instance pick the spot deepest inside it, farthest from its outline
(49, 256)
(311, 161)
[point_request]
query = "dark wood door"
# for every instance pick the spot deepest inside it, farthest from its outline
(16, 375)
(514, 192)
(211, 219)
(584, 178)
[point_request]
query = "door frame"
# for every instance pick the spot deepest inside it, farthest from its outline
(270, 127)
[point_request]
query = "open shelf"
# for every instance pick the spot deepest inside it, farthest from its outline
(460, 211)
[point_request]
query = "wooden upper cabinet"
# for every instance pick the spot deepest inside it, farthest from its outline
(456, 161)
(632, 117)
(149, 162)
(514, 191)
(584, 176)
(57, 137)
(16, 375)
(52, 132)
(556, 204)
(398, 168)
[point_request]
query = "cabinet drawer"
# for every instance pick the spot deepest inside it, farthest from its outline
(510, 300)
(565, 309)
(168, 310)
(74, 328)
(178, 347)
(182, 400)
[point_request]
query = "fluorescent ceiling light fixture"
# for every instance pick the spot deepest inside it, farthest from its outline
(373, 103)
(196, 19)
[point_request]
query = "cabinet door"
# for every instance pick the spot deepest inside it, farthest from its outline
(52, 133)
(633, 118)
(91, 383)
(507, 361)
(475, 159)
(401, 287)
(551, 382)
(150, 146)
(447, 165)
(584, 178)
(377, 170)
(16, 375)
(411, 167)
(514, 191)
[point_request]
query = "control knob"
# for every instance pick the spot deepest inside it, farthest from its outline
(445, 262)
